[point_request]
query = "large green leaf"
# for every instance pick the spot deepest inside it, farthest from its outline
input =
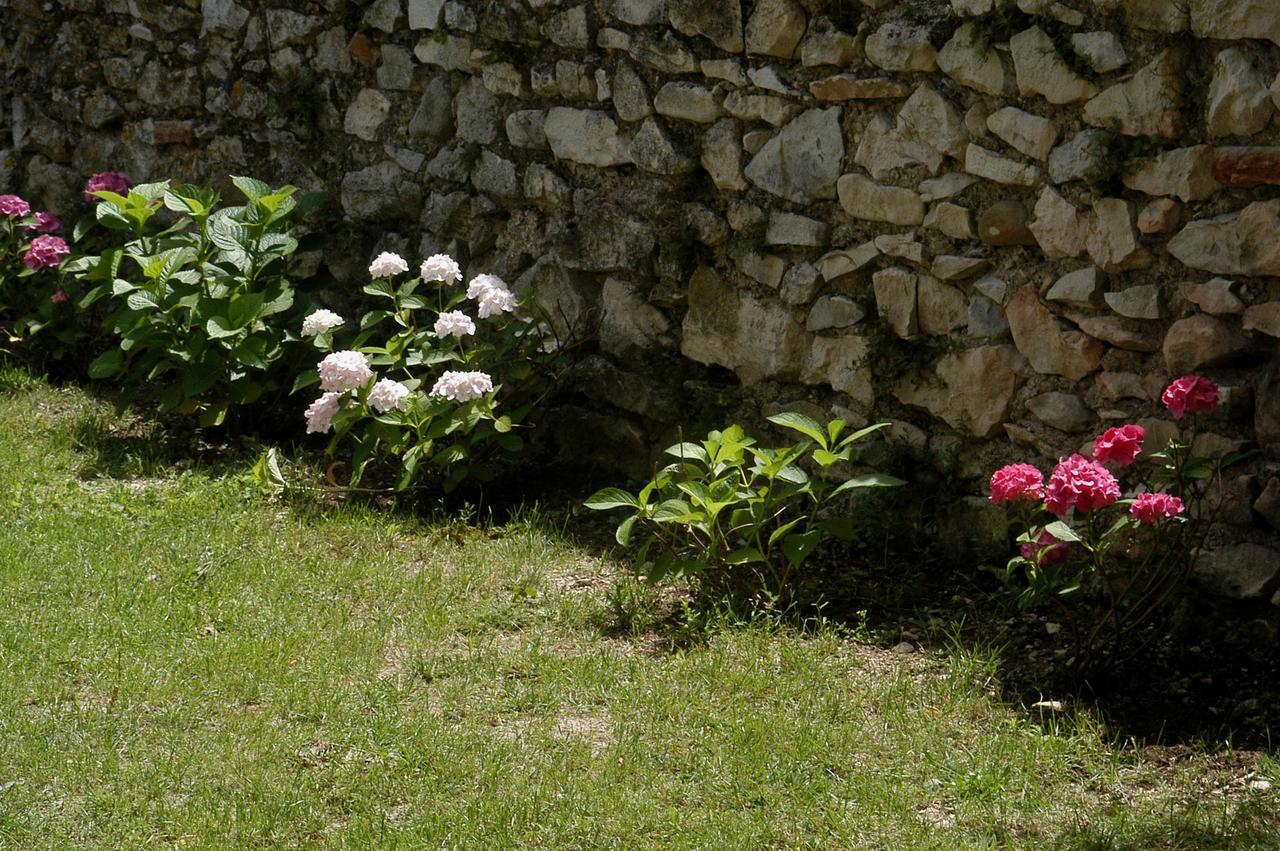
(603, 500)
(253, 189)
(107, 364)
(219, 327)
(803, 424)
(869, 480)
(244, 308)
(228, 234)
(798, 547)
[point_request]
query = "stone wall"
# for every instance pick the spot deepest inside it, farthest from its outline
(1001, 226)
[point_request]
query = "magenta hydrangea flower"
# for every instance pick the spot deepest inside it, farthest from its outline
(1080, 483)
(1120, 444)
(45, 252)
(1150, 508)
(12, 205)
(45, 223)
(1016, 482)
(1046, 550)
(106, 181)
(1190, 393)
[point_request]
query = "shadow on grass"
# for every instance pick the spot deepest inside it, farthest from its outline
(1255, 823)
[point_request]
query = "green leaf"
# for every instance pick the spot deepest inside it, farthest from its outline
(608, 498)
(744, 555)
(219, 327)
(623, 533)
(244, 308)
(803, 424)
(381, 287)
(141, 300)
(228, 234)
(689, 452)
(107, 364)
(798, 547)
(841, 527)
(253, 189)
(869, 480)
(863, 432)
(1062, 532)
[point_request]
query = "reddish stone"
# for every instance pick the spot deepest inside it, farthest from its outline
(174, 133)
(1247, 166)
(363, 51)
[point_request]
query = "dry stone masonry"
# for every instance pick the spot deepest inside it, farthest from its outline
(1005, 224)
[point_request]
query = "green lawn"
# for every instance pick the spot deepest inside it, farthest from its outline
(184, 663)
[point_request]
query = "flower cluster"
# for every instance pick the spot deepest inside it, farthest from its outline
(1120, 445)
(45, 252)
(491, 295)
(388, 395)
(454, 323)
(342, 371)
(1151, 508)
(319, 322)
(1190, 393)
(1080, 483)
(1017, 482)
(462, 386)
(45, 223)
(106, 181)
(441, 267)
(387, 265)
(321, 412)
(13, 206)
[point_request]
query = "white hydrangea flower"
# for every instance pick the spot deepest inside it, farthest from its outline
(441, 267)
(455, 323)
(388, 394)
(319, 322)
(343, 371)
(482, 284)
(495, 301)
(462, 386)
(387, 264)
(321, 411)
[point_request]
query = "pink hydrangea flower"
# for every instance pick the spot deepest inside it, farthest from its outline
(59, 297)
(1120, 444)
(1016, 482)
(342, 371)
(1150, 508)
(12, 205)
(1190, 393)
(45, 223)
(1046, 550)
(462, 386)
(106, 181)
(45, 251)
(1080, 483)
(321, 412)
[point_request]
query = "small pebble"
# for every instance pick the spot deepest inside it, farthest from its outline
(904, 647)
(1260, 785)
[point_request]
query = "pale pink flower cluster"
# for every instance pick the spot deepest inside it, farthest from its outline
(454, 323)
(388, 394)
(106, 181)
(492, 295)
(45, 252)
(12, 205)
(462, 386)
(441, 267)
(387, 264)
(45, 223)
(321, 412)
(343, 371)
(319, 322)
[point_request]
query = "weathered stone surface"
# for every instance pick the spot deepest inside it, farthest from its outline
(851, 87)
(1239, 97)
(968, 62)
(1264, 318)
(1049, 348)
(929, 128)
(841, 362)
(795, 229)
(687, 102)
(863, 198)
(895, 291)
(952, 267)
(1231, 19)
(775, 28)
(722, 155)
(986, 319)
(941, 308)
(1026, 133)
(1005, 223)
(902, 245)
(629, 325)
(477, 113)
(1079, 158)
(1163, 215)
(637, 12)
(733, 329)
(976, 389)
(800, 284)
(1268, 504)
(453, 53)
(826, 45)
(895, 47)
(425, 14)
(1103, 50)
(652, 150)
(947, 186)
(841, 263)
(525, 128)
(380, 192)
(992, 287)
(834, 311)
(1081, 288)
(803, 161)
(1216, 297)
(1041, 71)
(616, 240)
(766, 269)
(495, 175)
(366, 114)
(1112, 242)
(951, 219)
(1242, 243)
(1247, 166)
(1146, 104)
(630, 94)
(665, 53)
(1059, 227)
(433, 118)
(1063, 411)
(770, 79)
(1116, 331)
(1200, 341)
(1140, 302)
(748, 107)
(1241, 571)
(1185, 173)
(984, 163)
(585, 136)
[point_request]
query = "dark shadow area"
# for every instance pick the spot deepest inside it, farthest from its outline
(1254, 824)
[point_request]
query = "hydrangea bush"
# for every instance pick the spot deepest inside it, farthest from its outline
(424, 380)
(33, 294)
(1080, 535)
